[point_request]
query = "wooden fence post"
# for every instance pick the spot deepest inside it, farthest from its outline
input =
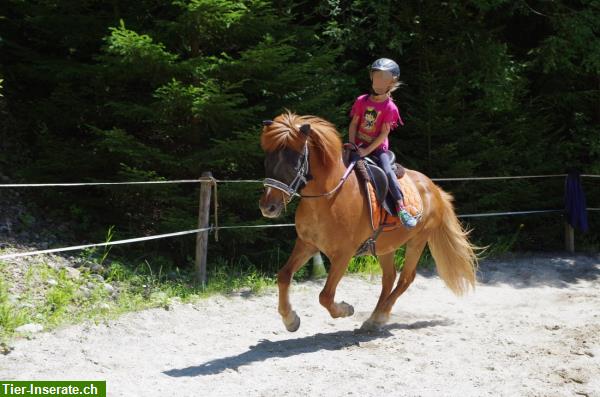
(569, 238)
(203, 219)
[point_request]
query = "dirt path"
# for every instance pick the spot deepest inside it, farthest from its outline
(532, 328)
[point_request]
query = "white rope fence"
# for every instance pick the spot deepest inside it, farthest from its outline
(491, 178)
(80, 247)
(506, 213)
(18, 185)
(135, 240)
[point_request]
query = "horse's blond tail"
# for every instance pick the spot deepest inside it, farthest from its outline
(454, 255)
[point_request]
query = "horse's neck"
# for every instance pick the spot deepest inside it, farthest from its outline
(317, 216)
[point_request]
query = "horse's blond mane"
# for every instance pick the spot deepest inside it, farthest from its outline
(285, 132)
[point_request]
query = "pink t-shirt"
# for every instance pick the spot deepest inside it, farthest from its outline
(371, 117)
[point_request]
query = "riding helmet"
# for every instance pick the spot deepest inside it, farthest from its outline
(387, 65)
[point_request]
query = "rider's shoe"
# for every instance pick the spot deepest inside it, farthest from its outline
(407, 219)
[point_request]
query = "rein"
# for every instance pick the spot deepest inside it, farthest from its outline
(302, 177)
(339, 185)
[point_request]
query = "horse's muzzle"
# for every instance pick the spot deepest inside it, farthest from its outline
(271, 203)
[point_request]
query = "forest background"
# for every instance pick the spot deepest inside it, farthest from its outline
(127, 90)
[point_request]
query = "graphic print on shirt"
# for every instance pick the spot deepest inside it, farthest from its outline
(370, 119)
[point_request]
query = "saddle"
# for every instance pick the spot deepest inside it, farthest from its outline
(376, 189)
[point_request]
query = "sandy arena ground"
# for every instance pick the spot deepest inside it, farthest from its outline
(531, 328)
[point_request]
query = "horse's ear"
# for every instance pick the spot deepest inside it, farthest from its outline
(305, 129)
(267, 123)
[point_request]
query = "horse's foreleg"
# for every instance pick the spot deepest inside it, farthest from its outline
(327, 295)
(300, 255)
(380, 316)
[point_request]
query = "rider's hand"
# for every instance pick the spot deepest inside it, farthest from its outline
(362, 152)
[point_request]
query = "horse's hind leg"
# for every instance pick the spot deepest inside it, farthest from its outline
(300, 255)
(380, 316)
(327, 295)
(388, 277)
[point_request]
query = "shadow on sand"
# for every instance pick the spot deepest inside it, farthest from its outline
(267, 349)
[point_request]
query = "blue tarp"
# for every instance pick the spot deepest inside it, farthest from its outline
(575, 205)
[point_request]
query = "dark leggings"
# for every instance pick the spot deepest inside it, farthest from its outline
(383, 159)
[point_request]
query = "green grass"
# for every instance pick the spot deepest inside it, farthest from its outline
(9, 317)
(370, 265)
(50, 297)
(364, 265)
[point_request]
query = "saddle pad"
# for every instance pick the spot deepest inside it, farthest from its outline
(412, 201)
(412, 198)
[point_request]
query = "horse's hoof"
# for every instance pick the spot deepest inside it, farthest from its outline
(369, 326)
(346, 309)
(292, 323)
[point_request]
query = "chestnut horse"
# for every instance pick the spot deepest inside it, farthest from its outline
(304, 158)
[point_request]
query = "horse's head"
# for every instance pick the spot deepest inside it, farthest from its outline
(296, 148)
(286, 164)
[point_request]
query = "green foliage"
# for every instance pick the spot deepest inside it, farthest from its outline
(205, 22)
(137, 50)
(574, 48)
(121, 145)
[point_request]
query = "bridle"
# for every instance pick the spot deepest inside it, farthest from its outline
(303, 175)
